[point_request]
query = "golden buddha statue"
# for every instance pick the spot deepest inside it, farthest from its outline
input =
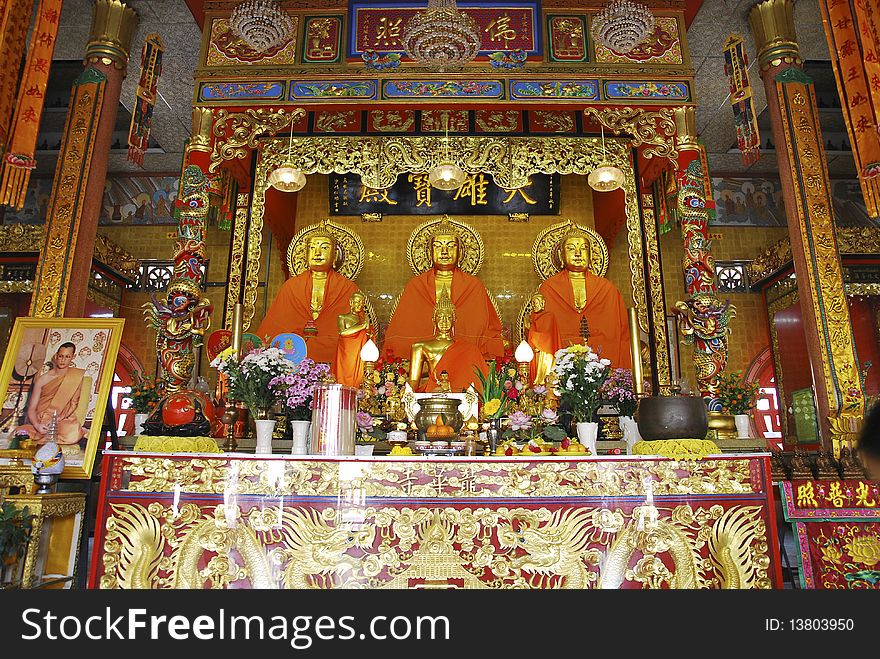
(477, 320)
(587, 308)
(354, 332)
(443, 353)
(543, 336)
(310, 303)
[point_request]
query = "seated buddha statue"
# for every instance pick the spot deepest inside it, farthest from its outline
(451, 364)
(354, 331)
(476, 319)
(543, 337)
(588, 309)
(310, 303)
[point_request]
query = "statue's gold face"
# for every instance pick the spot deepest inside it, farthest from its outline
(444, 252)
(538, 303)
(321, 254)
(444, 322)
(356, 303)
(576, 254)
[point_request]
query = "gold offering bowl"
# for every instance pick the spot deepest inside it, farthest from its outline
(430, 408)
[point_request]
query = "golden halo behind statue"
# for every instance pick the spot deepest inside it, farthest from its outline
(545, 252)
(519, 327)
(349, 249)
(418, 247)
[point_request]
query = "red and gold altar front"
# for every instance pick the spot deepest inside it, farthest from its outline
(237, 521)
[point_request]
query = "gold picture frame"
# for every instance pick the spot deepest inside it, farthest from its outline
(33, 347)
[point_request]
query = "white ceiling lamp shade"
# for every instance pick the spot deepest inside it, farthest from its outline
(287, 177)
(606, 177)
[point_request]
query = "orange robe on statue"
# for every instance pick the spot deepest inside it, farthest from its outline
(349, 367)
(604, 310)
(291, 310)
(476, 320)
(543, 335)
(460, 361)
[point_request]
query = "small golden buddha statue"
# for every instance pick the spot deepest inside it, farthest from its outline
(443, 386)
(442, 353)
(354, 332)
(543, 336)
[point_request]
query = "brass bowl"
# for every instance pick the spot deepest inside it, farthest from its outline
(672, 417)
(429, 408)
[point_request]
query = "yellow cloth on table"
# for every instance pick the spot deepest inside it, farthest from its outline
(166, 444)
(677, 449)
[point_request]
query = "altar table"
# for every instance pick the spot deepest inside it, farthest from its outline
(240, 521)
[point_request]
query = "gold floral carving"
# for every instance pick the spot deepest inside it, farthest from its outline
(350, 249)
(447, 479)
(770, 260)
(111, 254)
(238, 250)
(560, 122)
(299, 547)
(22, 237)
(393, 121)
(547, 260)
(655, 128)
(330, 122)
(436, 121)
(418, 247)
(498, 121)
(784, 301)
(658, 302)
(236, 133)
(858, 240)
(66, 207)
(824, 276)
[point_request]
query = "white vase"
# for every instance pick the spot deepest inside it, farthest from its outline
(363, 449)
(587, 432)
(630, 430)
(139, 419)
(743, 430)
(300, 433)
(265, 428)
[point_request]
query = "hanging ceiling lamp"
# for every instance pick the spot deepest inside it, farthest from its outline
(288, 177)
(261, 24)
(622, 25)
(447, 175)
(605, 177)
(441, 37)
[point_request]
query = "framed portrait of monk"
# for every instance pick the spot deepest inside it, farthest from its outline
(61, 367)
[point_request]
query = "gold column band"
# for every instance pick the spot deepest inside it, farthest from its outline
(110, 37)
(772, 23)
(686, 128)
(202, 122)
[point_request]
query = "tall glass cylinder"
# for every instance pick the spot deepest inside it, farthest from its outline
(334, 420)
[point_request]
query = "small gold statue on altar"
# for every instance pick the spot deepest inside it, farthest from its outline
(442, 353)
(543, 336)
(443, 385)
(354, 332)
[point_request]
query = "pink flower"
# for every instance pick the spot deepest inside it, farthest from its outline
(520, 421)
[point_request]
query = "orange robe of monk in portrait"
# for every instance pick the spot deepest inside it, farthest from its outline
(476, 320)
(461, 361)
(62, 394)
(349, 367)
(543, 335)
(605, 312)
(291, 310)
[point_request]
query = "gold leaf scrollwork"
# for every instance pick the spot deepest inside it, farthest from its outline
(653, 128)
(236, 133)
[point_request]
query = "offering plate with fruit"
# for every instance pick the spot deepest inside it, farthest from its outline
(538, 447)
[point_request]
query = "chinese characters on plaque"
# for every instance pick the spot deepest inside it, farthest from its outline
(412, 194)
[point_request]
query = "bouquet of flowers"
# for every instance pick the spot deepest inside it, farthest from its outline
(618, 392)
(580, 374)
(250, 379)
(737, 396)
(144, 394)
(498, 392)
(390, 378)
(295, 388)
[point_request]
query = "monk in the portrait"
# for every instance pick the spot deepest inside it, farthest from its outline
(354, 332)
(451, 364)
(59, 390)
(476, 319)
(310, 303)
(588, 309)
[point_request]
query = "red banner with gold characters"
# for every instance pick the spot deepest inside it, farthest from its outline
(15, 17)
(736, 66)
(142, 115)
(19, 158)
(837, 528)
(851, 27)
